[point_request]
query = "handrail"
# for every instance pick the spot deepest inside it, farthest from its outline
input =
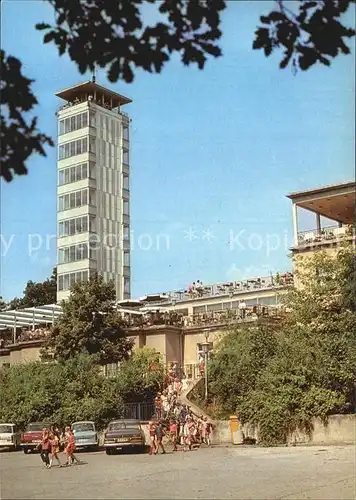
(326, 233)
(229, 288)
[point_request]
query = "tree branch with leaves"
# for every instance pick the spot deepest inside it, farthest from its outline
(90, 324)
(113, 34)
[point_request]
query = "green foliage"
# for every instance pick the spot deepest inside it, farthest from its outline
(308, 32)
(37, 294)
(19, 138)
(348, 279)
(141, 376)
(242, 354)
(125, 42)
(279, 378)
(76, 389)
(90, 324)
(58, 392)
(2, 304)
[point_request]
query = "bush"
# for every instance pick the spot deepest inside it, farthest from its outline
(141, 376)
(75, 389)
(279, 377)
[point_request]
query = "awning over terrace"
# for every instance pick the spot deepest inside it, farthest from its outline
(336, 202)
(29, 317)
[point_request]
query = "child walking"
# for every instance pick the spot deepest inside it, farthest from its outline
(69, 450)
(45, 448)
(152, 433)
(54, 438)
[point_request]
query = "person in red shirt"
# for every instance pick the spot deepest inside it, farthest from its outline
(173, 430)
(69, 450)
(45, 448)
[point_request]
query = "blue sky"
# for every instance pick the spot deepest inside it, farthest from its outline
(213, 154)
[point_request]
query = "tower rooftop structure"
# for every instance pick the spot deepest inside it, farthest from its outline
(82, 91)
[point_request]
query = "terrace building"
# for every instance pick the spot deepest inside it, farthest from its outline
(334, 210)
(178, 323)
(174, 323)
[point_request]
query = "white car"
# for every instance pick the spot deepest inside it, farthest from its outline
(10, 436)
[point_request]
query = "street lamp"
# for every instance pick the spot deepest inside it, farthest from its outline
(206, 349)
(98, 313)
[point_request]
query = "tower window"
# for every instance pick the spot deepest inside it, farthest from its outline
(72, 123)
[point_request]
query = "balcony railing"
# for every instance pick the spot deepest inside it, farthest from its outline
(168, 318)
(105, 105)
(232, 287)
(171, 318)
(324, 235)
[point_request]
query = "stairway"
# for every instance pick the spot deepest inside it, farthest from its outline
(188, 386)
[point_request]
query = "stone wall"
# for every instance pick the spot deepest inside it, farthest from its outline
(340, 429)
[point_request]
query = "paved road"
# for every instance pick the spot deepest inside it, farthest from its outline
(239, 473)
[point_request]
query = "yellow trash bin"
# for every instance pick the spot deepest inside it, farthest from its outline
(236, 433)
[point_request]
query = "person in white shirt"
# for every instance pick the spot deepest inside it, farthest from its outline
(242, 309)
(165, 404)
(199, 288)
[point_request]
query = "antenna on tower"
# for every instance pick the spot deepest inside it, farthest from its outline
(94, 74)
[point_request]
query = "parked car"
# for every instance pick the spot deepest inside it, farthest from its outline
(32, 436)
(122, 434)
(10, 436)
(85, 435)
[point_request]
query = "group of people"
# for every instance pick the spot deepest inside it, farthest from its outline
(182, 429)
(166, 401)
(196, 289)
(25, 335)
(51, 444)
(176, 421)
(151, 318)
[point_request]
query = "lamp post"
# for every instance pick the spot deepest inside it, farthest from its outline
(206, 352)
(98, 313)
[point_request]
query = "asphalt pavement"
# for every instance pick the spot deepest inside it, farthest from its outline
(238, 473)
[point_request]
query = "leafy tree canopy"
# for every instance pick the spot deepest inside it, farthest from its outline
(307, 32)
(90, 324)
(141, 376)
(280, 378)
(58, 392)
(19, 137)
(114, 34)
(37, 294)
(2, 304)
(75, 389)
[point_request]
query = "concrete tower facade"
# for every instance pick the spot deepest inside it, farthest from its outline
(93, 188)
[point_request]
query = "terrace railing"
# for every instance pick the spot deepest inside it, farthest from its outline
(324, 235)
(169, 318)
(230, 288)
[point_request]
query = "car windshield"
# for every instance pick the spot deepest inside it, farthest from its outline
(83, 427)
(5, 429)
(118, 426)
(35, 427)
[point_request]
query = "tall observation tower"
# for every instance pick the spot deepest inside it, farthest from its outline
(93, 194)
